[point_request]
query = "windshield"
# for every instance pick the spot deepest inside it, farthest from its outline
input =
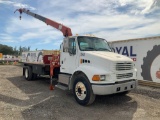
(92, 44)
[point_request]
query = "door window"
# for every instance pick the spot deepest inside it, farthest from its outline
(72, 46)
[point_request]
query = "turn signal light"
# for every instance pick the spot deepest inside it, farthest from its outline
(96, 78)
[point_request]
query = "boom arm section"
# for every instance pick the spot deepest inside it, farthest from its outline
(64, 29)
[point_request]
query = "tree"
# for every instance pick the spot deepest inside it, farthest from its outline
(20, 50)
(28, 48)
(6, 50)
(15, 51)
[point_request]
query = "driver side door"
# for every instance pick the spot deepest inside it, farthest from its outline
(69, 57)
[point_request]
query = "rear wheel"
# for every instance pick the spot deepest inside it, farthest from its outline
(28, 73)
(82, 91)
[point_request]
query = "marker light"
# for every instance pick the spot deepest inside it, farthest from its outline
(96, 78)
(81, 61)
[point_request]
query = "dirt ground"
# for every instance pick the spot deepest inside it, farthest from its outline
(32, 100)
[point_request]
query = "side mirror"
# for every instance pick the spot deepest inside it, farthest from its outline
(65, 44)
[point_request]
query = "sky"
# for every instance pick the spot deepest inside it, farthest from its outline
(108, 19)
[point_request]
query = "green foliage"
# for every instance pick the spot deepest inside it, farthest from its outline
(7, 50)
(9, 63)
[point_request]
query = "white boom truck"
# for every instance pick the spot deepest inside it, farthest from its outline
(85, 64)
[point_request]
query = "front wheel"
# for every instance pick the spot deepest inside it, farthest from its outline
(82, 91)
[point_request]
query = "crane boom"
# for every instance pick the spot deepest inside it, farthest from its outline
(64, 29)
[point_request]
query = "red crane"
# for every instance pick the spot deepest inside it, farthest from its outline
(64, 29)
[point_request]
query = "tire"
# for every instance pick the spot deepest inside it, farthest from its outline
(82, 91)
(28, 73)
(147, 62)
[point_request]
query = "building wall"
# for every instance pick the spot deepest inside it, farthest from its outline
(145, 53)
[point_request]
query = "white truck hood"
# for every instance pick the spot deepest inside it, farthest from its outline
(108, 56)
(103, 59)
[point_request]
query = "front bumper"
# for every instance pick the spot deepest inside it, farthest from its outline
(106, 89)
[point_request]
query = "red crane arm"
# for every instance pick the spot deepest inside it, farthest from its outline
(64, 29)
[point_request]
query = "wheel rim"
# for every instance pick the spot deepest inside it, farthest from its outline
(26, 73)
(80, 91)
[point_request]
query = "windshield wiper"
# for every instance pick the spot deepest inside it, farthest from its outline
(89, 48)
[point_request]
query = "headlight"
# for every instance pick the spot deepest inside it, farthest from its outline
(102, 77)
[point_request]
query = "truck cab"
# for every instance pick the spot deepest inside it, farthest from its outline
(90, 68)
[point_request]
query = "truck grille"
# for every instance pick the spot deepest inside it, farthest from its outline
(124, 66)
(125, 75)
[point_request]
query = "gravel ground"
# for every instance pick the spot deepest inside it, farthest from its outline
(32, 100)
